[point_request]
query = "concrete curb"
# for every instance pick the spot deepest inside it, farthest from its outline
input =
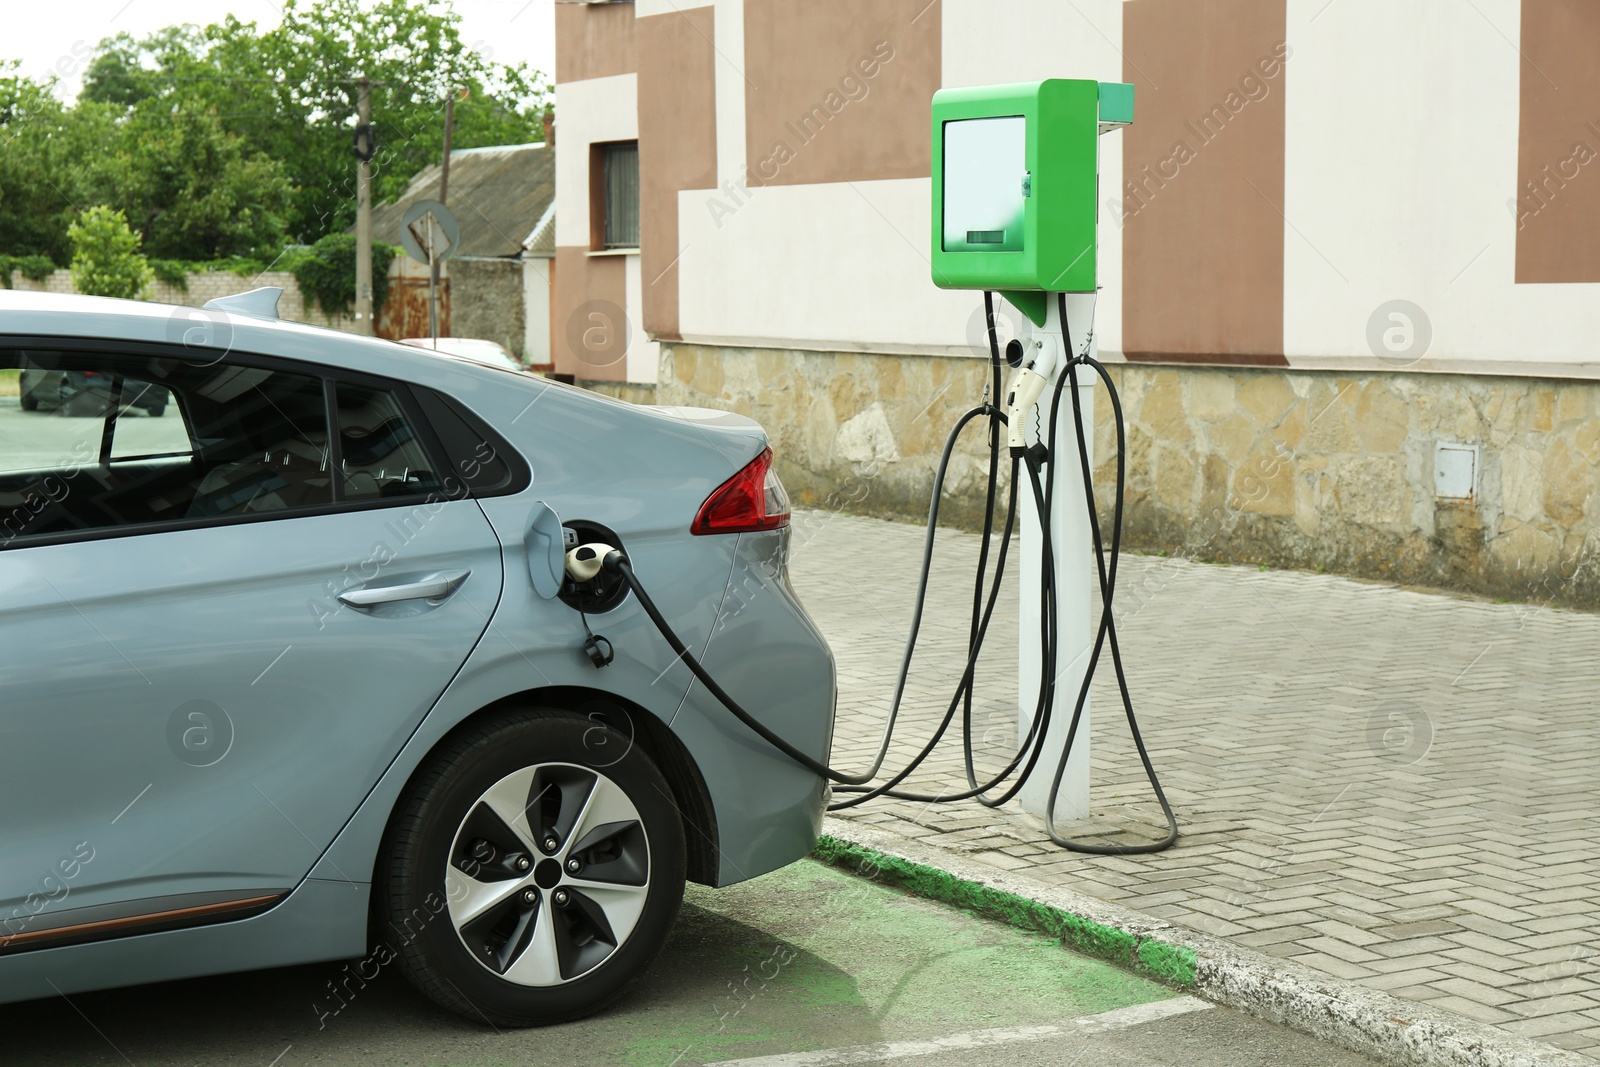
(1363, 1020)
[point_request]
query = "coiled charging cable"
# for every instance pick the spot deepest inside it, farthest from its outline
(1031, 747)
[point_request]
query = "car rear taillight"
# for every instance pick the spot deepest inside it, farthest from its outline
(751, 500)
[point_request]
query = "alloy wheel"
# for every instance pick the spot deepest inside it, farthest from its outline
(548, 874)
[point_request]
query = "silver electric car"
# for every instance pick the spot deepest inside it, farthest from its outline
(296, 671)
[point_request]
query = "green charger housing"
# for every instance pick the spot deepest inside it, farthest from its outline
(1015, 184)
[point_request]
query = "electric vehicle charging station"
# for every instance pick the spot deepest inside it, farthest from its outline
(1015, 182)
(1015, 210)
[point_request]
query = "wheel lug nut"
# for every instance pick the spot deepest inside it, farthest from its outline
(561, 897)
(551, 844)
(523, 863)
(529, 896)
(573, 865)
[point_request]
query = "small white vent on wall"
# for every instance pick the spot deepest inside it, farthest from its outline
(1455, 471)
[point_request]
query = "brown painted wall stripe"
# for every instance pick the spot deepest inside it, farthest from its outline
(1203, 182)
(839, 90)
(594, 41)
(677, 147)
(1558, 143)
(587, 316)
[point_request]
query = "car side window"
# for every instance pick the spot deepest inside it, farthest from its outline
(92, 441)
(380, 455)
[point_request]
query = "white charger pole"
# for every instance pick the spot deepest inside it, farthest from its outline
(1074, 572)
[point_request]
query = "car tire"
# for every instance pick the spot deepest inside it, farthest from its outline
(29, 402)
(539, 919)
(157, 411)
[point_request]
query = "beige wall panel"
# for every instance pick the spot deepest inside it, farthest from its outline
(839, 90)
(1203, 229)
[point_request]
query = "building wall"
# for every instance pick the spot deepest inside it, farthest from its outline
(1337, 471)
(487, 301)
(1318, 470)
(536, 276)
(862, 431)
(595, 326)
(1293, 170)
(1402, 197)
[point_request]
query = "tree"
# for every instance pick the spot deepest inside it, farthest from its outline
(106, 260)
(226, 141)
(292, 91)
(115, 75)
(48, 155)
(193, 189)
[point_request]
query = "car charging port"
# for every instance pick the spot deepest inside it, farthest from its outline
(606, 589)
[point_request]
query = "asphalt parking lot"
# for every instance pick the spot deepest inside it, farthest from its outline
(770, 973)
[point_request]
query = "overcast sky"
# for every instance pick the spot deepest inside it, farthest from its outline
(57, 36)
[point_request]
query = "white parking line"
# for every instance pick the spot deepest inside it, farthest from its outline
(1106, 1021)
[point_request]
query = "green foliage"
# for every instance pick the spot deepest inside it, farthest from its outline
(47, 156)
(194, 189)
(36, 267)
(326, 273)
(227, 141)
(106, 260)
(291, 93)
(176, 271)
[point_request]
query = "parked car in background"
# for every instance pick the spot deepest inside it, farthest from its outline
(489, 353)
(85, 393)
(296, 673)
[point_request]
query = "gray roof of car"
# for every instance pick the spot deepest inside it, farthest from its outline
(211, 333)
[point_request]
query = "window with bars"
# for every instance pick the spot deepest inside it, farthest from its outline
(621, 165)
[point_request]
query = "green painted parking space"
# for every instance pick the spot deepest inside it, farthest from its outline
(811, 957)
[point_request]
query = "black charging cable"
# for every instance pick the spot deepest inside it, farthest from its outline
(1031, 747)
(1107, 572)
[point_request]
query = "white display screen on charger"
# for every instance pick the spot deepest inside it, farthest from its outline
(985, 174)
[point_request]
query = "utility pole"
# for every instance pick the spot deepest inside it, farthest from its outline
(444, 191)
(449, 129)
(365, 146)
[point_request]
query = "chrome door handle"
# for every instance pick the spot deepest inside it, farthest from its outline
(433, 587)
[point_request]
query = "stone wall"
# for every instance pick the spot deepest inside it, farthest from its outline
(632, 392)
(208, 285)
(1303, 469)
(852, 430)
(1324, 470)
(486, 300)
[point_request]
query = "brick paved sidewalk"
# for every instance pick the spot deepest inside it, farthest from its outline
(1390, 786)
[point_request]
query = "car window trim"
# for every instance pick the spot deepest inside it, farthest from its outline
(330, 412)
(108, 427)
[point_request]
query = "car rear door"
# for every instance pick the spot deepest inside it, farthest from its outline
(218, 627)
